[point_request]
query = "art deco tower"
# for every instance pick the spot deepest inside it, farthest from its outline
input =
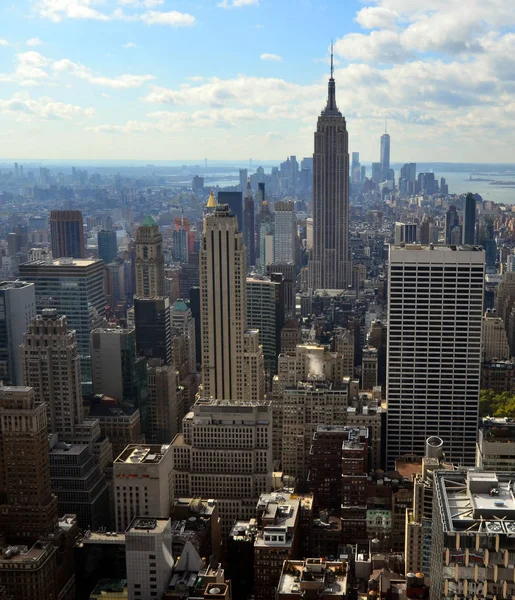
(232, 361)
(330, 264)
(149, 260)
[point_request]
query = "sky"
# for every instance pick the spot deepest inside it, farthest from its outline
(239, 79)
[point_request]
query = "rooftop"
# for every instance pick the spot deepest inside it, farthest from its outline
(106, 586)
(14, 285)
(142, 454)
(476, 501)
(24, 554)
(315, 575)
(148, 525)
(64, 262)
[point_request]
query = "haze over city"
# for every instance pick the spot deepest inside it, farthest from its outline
(172, 80)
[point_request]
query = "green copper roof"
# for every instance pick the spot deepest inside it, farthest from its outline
(148, 221)
(180, 306)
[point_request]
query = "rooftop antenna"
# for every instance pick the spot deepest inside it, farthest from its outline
(332, 57)
(386, 126)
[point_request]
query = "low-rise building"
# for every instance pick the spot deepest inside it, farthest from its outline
(312, 578)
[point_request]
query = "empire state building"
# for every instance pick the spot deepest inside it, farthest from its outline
(330, 266)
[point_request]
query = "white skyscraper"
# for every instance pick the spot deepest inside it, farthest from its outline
(434, 349)
(223, 303)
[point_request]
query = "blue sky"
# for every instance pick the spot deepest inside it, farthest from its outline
(234, 79)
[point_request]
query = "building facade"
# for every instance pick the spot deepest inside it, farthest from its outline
(434, 349)
(225, 452)
(28, 509)
(75, 287)
(142, 483)
(67, 234)
(17, 309)
(149, 263)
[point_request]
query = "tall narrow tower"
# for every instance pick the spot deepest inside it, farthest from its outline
(249, 229)
(223, 296)
(385, 155)
(232, 360)
(330, 264)
(149, 260)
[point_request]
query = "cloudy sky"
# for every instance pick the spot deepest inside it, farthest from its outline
(238, 79)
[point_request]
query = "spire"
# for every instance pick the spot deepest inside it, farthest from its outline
(248, 193)
(386, 126)
(331, 108)
(211, 203)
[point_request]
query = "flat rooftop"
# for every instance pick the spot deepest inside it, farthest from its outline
(148, 525)
(142, 454)
(436, 248)
(23, 554)
(313, 574)
(14, 285)
(63, 262)
(478, 501)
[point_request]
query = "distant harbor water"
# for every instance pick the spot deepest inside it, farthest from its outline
(459, 183)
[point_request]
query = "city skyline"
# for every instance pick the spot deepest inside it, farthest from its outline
(152, 70)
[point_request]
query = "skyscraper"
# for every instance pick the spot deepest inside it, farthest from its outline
(107, 246)
(451, 221)
(285, 233)
(385, 156)
(469, 220)
(223, 296)
(330, 264)
(434, 349)
(51, 366)
(235, 202)
(249, 227)
(75, 287)
(243, 180)
(149, 260)
(67, 234)
(28, 509)
(17, 309)
(116, 371)
(153, 328)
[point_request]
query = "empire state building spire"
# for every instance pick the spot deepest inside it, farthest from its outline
(331, 108)
(330, 265)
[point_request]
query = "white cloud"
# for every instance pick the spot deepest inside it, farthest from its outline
(34, 68)
(105, 10)
(172, 17)
(237, 3)
(4, 42)
(377, 17)
(25, 108)
(272, 57)
(403, 29)
(35, 41)
(57, 10)
(125, 81)
(140, 3)
(130, 45)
